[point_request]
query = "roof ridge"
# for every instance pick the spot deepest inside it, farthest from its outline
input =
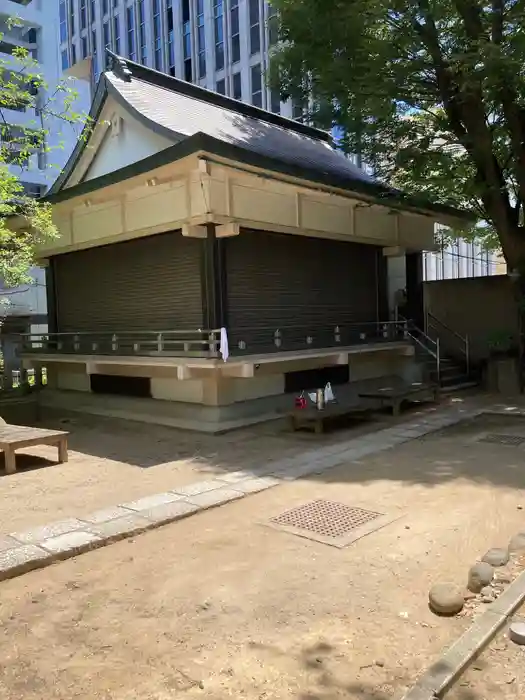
(127, 69)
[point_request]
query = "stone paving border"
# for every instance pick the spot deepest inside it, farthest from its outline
(442, 675)
(21, 552)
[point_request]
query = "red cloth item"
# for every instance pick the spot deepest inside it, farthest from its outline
(300, 402)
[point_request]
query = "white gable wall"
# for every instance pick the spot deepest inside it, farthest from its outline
(127, 141)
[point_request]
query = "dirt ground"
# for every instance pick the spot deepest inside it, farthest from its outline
(498, 673)
(114, 461)
(221, 605)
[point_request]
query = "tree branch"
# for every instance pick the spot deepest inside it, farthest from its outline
(470, 13)
(498, 11)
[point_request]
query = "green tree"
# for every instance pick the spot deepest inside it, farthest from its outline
(431, 92)
(22, 88)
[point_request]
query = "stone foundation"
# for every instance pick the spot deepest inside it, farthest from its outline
(215, 398)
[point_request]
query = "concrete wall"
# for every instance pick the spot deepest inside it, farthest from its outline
(128, 141)
(476, 306)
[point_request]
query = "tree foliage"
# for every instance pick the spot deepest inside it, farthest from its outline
(431, 92)
(22, 89)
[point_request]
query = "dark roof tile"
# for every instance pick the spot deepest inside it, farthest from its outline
(185, 116)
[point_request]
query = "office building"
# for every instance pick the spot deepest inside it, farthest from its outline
(461, 259)
(222, 45)
(30, 24)
(25, 24)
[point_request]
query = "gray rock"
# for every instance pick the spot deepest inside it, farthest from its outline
(517, 632)
(446, 599)
(498, 556)
(487, 592)
(517, 543)
(479, 576)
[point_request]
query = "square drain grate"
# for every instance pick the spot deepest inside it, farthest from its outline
(329, 522)
(514, 440)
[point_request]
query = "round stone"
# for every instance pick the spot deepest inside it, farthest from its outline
(479, 576)
(517, 543)
(517, 632)
(445, 599)
(498, 556)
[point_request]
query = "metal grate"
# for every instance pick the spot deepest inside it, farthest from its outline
(515, 440)
(326, 518)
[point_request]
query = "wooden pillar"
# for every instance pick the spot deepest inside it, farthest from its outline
(51, 297)
(382, 286)
(213, 280)
(414, 277)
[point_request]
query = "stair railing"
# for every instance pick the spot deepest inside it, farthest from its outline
(421, 339)
(432, 322)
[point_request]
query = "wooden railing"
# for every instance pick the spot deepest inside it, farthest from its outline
(196, 343)
(206, 343)
(289, 338)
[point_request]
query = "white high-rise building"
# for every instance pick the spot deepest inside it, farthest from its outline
(223, 45)
(26, 24)
(31, 24)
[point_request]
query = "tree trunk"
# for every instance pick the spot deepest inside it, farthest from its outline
(513, 246)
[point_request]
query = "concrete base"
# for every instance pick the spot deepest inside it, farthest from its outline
(214, 398)
(175, 414)
(502, 376)
(192, 416)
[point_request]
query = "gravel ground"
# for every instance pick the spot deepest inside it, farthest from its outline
(114, 461)
(222, 606)
(498, 673)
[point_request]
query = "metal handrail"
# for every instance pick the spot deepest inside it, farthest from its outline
(410, 324)
(436, 354)
(111, 333)
(203, 341)
(446, 327)
(432, 320)
(198, 341)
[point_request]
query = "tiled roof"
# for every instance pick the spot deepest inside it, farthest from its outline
(196, 119)
(186, 115)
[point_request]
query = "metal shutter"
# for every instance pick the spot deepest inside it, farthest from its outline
(152, 283)
(298, 285)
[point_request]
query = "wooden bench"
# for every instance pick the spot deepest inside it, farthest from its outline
(394, 395)
(312, 418)
(14, 437)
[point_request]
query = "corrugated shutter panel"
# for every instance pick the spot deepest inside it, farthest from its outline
(298, 285)
(148, 284)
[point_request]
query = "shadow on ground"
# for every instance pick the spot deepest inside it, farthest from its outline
(26, 463)
(453, 453)
(143, 445)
